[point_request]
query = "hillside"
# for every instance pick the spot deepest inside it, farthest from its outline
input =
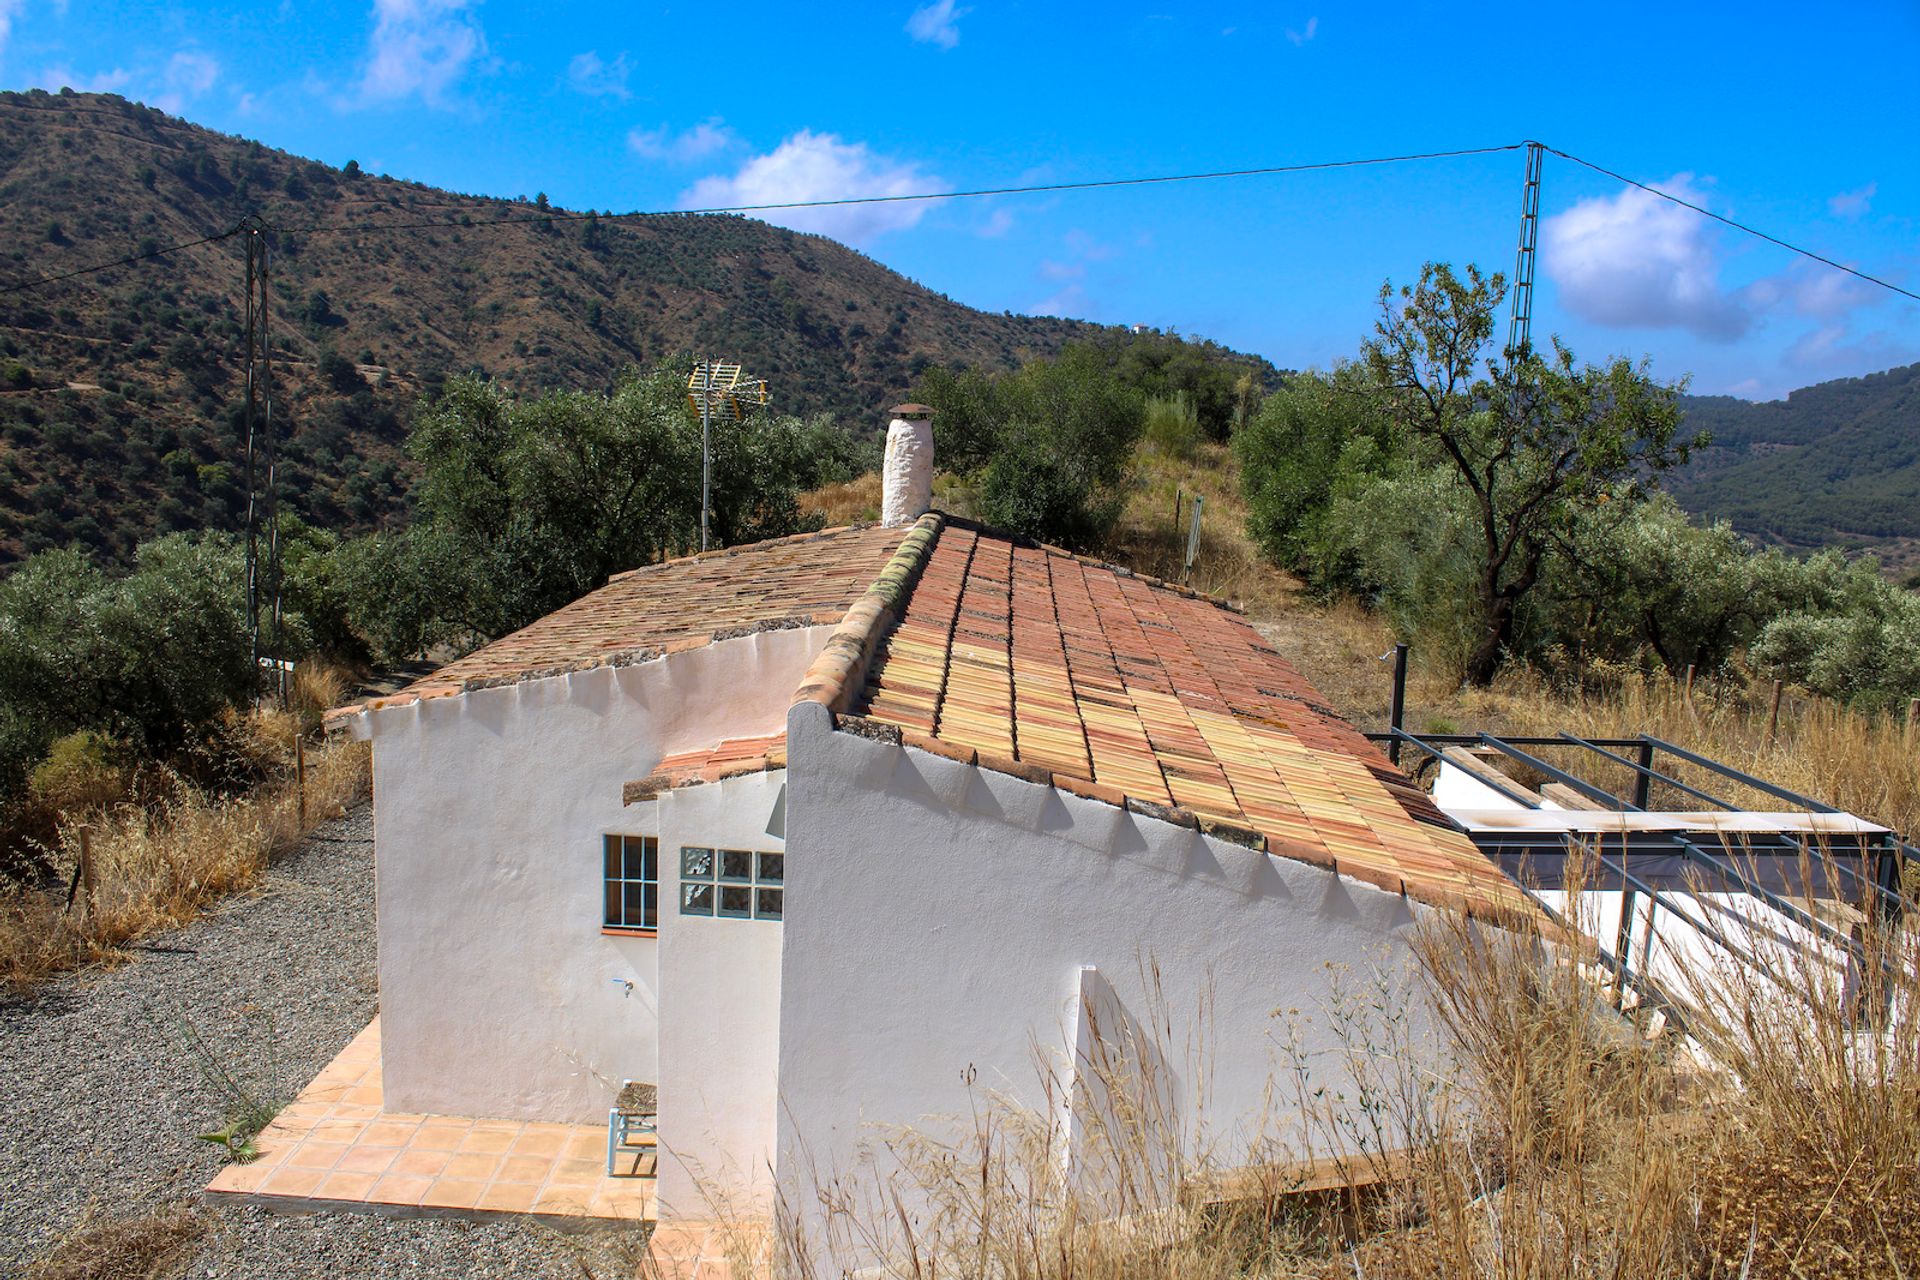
(119, 393)
(1832, 464)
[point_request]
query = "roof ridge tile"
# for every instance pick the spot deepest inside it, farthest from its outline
(838, 672)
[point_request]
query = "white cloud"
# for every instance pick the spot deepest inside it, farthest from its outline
(191, 73)
(1301, 37)
(1635, 260)
(419, 47)
(820, 166)
(56, 78)
(188, 75)
(1070, 303)
(10, 11)
(937, 23)
(702, 140)
(1853, 204)
(1836, 351)
(1811, 289)
(590, 74)
(998, 224)
(1071, 272)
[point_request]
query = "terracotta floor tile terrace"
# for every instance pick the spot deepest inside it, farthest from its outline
(337, 1147)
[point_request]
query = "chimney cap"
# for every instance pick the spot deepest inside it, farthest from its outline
(911, 411)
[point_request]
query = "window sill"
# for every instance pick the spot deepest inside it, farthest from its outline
(617, 931)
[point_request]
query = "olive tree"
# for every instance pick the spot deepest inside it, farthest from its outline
(1535, 440)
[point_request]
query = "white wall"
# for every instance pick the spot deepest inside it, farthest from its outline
(943, 916)
(720, 1025)
(499, 995)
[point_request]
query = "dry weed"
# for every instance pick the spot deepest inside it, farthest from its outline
(157, 866)
(133, 1249)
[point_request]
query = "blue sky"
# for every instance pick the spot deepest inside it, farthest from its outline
(1798, 119)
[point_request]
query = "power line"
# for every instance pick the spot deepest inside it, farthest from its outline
(21, 286)
(547, 216)
(1738, 226)
(1036, 189)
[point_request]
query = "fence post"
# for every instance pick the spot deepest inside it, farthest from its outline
(300, 779)
(89, 876)
(1396, 716)
(1193, 539)
(1688, 696)
(1773, 714)
(1913, 717)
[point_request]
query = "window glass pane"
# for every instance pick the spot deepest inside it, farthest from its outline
(735, 900)
(773, 867)
(736, 864)
(611, 914)
(649, 858)
(696, 899)
(696, 864)
(610, 846)
(633, 860)
(767, 903)
(650, 906)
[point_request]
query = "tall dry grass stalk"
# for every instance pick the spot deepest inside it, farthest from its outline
(159, 866)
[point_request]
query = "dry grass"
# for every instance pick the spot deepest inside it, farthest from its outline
(1228, 564)
(838, 504)
(1560, 1142)
(158, 865)
(133, 1249)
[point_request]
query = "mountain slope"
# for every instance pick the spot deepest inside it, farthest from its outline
(1837, 464)
(118, 390)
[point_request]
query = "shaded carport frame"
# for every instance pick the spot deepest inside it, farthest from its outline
(1691, 860)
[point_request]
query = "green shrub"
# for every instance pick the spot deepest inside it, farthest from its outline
(523, 505)
(1173, 428)
(83, 772)
(1048, 447)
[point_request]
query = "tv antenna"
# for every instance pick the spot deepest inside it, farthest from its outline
(716, 389)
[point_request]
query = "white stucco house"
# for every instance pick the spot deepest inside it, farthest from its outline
(812, 831)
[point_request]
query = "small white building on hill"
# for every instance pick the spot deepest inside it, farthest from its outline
(812, 833)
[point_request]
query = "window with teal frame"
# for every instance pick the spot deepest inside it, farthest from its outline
(732, 884)
(631, 867)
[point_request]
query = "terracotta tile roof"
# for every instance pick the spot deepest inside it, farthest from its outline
(808, 580)
(729, 759)
(1119, 687)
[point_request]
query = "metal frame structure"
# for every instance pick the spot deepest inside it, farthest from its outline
(1774, 867)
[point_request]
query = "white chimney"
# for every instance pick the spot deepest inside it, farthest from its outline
(906, 476)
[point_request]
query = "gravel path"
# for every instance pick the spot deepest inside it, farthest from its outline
(102, 1094)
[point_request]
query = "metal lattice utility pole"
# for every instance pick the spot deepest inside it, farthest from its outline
(1520, 331)
(263, 501)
